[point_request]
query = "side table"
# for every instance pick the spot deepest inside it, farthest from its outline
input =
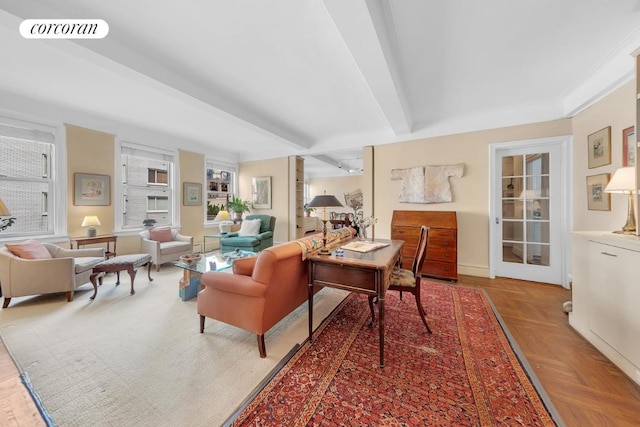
(108, 239)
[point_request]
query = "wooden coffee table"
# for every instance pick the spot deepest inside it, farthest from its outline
(117, 264)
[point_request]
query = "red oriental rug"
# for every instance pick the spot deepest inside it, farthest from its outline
(464, 374)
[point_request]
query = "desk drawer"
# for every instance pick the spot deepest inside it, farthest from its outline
(442, 254)
(447, 270)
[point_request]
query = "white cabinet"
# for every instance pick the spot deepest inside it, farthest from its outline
(606, 296)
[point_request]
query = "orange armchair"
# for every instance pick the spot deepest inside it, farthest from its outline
(261, 291)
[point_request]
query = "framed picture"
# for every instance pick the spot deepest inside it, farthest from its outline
(629, 146)
(262, 192)
(225, 176)
(191, 194)
(91, 190)
(599, 148)
(597, 199)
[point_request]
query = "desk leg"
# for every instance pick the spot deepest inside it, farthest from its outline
(311, 303)
(381, 316)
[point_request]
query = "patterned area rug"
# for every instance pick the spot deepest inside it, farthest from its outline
(464, 374)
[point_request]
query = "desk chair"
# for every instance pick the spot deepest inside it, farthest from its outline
(404, 280)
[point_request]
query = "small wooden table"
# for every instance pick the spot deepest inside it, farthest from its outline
(117, 264)
(367, 273)
(108, 239)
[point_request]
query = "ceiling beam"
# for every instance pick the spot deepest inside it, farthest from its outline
(367, 28)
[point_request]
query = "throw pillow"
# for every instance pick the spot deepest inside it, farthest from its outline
(29, 249)
(250, 227)
(160, 234)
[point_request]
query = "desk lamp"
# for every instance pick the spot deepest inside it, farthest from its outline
(224, 218)
(325, 201)
(624, 182)
(91, 221)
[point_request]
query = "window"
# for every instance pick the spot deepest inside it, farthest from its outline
(26, 153)
(220, 187)
(147, 185)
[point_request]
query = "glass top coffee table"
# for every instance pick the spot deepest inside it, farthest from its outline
(190, 283)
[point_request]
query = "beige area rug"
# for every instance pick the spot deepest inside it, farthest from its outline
(140, 360)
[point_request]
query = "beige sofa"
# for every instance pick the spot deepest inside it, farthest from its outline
(65, 271)
(262, 290)
(162, 252)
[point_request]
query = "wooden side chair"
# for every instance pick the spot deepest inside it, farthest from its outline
(404, 280)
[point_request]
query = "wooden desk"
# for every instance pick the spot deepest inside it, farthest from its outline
(366, 273)
(83, 241)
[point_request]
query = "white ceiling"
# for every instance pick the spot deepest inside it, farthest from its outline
(256, 79)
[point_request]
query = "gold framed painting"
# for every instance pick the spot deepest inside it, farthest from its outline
(629, 146)
(599, 148)
(597, 198)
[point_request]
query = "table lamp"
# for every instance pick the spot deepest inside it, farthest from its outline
(624, 182)
(325, 201)
(4, 212)
(224, 218)
(91, 221)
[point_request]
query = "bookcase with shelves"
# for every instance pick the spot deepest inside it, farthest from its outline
(296, 196)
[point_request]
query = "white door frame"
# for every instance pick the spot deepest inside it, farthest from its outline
(495, 209)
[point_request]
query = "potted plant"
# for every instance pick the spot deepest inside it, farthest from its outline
(149, 222)
(308, 210)
(212, 210)
(238, 206)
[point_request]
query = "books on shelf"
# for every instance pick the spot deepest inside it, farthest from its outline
(364, 246)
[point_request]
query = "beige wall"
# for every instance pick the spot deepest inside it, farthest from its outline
(92, 152)
(278, 170)
(337, 186)
(192, 217)
(470, 193)
(618, 111)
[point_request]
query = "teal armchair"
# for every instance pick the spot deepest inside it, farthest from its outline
(262, 240)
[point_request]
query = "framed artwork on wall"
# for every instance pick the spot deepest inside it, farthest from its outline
(629, 146)
(597, 198)
(599, 148)
(91, 190)
(192, 194)
(262, 192)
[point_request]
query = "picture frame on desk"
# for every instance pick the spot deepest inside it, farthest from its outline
(597, 198)
(91, 190)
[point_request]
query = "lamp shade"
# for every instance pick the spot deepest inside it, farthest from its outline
(223, 216)
(622, 181)
(90, 221)
(3, 209)
(324, 201)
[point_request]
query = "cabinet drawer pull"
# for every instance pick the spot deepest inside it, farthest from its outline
(608, 254)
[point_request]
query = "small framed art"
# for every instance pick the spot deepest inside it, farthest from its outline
(192, 194)
(597, 198)
(599, 148)
(91, 190)
(262, 192)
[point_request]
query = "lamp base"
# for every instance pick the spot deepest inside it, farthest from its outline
(633, 232)
(324, 251)
(92, 232)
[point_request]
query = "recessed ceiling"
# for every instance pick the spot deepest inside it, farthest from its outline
(250, 80)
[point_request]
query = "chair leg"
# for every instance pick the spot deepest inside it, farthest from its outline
(422, 312)
(157, 267)
(201, 324)
(6, 302)
(261, 347)
(373, 314)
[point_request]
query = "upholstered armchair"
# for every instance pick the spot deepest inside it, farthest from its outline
(165, 244)
(59, 270)
(253, 241)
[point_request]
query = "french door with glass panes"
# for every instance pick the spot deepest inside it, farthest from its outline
(528, 188)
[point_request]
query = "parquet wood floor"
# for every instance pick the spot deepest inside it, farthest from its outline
(586, 389)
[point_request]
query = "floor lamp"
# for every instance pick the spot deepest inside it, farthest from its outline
(325, 201)
(624, 181)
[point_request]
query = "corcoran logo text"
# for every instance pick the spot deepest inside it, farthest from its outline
(64, 29)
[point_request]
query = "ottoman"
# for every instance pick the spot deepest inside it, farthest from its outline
(118, 264)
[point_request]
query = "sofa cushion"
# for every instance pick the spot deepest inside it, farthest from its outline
(174, 246)
(85, 263)
(160, 234)
(29, 249)
(243, 241)
(250, 227)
